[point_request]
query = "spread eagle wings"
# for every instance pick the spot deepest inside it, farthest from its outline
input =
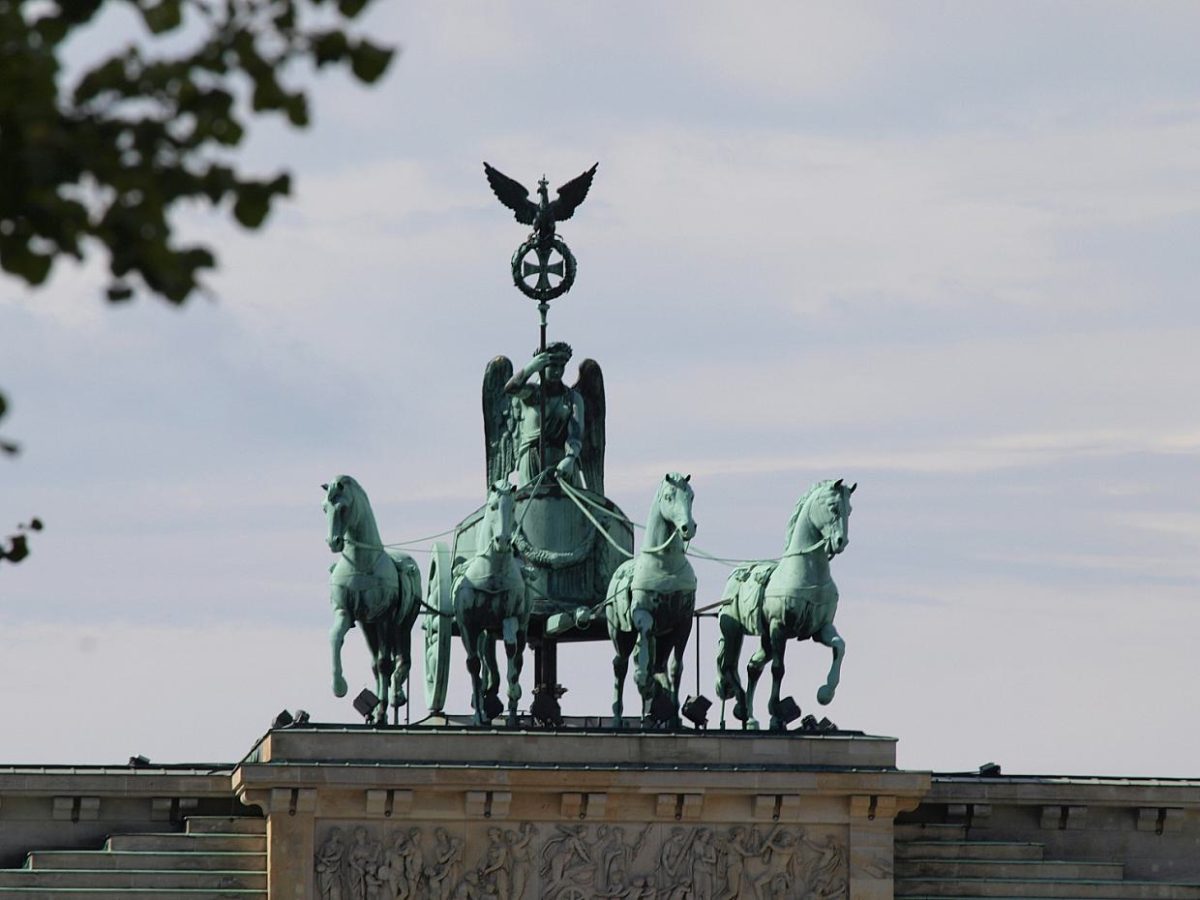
(590, 386)
(499, 423)
(515, 195)
(571, 194)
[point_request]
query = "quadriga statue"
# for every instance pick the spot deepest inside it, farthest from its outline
(792, 598)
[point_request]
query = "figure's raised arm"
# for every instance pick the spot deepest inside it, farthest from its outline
(527, 371)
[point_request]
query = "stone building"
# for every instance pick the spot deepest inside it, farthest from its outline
(350, 813)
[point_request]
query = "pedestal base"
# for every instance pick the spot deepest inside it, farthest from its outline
(507, 814)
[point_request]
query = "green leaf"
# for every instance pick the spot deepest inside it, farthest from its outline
(369, 61)
(252, 205)
(19, 549)
(166, 16)
(329, 47)
(119, 292)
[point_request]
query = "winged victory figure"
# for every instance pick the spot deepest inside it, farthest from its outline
(546, 212)
(574, 419)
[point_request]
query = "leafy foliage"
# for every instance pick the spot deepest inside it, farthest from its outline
(18, 544)
(106, 161)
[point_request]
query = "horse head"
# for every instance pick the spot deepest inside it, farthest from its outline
(499, 519)
(674, 503)
(338, 505)
(829, 512)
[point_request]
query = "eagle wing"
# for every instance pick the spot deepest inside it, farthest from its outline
(571, 194)
(498, 425)
(590, 387)
(513, 194)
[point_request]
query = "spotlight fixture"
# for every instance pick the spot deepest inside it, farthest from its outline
(662, 709)
(299, 717)
(787, 710)
(989, 769)
(695, 710)
(283, 720)
(139, 762)
(365, 703)
(545, 709)
(492, 707)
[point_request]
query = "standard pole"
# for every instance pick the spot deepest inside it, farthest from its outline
(543, 308)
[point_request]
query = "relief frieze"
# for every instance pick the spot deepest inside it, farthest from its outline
(572, 862)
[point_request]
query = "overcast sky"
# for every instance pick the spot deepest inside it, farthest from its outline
(948, 251)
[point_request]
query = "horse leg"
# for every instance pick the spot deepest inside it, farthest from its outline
(754, 670)
(373, 635)
(342, 623)
(778, 639)
(828, 635)
(680, 640)
(403, 666)
(514, 646)
(470, 641)
(729, 651)
(643, 624)
(623, 643)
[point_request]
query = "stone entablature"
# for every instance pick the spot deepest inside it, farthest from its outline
(48, 807)
(1151, 825)
(614, 814)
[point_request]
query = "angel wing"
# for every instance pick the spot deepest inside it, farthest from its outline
(570, 195)
(499, 442)
(590, 387)
(515, 195)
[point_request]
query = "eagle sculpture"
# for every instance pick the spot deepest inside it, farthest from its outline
(544, 214)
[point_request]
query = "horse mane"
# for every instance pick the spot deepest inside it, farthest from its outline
(363, 514)
(791, 525)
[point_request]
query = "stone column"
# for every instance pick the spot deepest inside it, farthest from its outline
(872, 854)
(290, 816)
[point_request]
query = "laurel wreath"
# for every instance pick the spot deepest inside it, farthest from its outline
(552, 559)
(569, 268)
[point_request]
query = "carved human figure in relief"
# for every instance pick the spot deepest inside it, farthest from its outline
(827, 878)
(566, 860)
(447, 865)
(704, 865)
(497, 864)
(522, 857)
(413, 863)
(673, 858)
(365, 860)
(330, 860)
(573, 429)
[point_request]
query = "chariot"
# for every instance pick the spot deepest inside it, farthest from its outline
(569, 562)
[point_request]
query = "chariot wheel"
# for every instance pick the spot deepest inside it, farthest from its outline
(438, 627)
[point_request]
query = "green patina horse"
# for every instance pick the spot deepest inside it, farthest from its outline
(491, 603)
(792, 598)
(372, 586)
(650, 603)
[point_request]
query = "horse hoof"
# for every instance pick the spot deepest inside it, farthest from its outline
(778, 724)
(339, 686)
(825, 694)
(750, 725)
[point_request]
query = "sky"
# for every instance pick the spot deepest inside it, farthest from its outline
(947, 251)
